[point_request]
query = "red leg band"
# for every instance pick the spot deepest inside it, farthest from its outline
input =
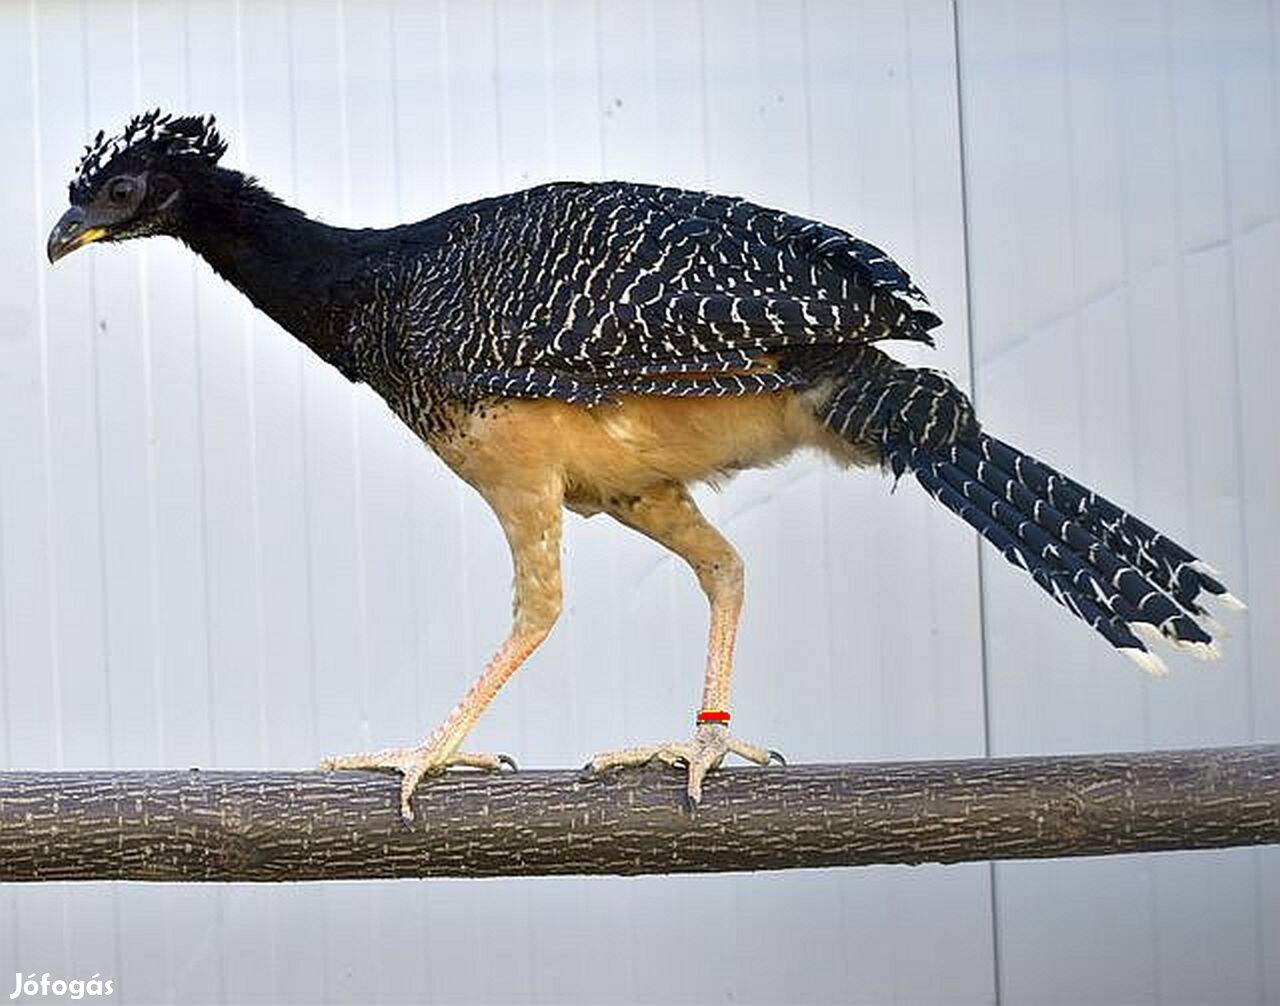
(713, 716)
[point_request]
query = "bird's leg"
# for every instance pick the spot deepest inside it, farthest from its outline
(670, 517)
(531, 520)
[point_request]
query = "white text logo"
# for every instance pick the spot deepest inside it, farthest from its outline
(47, 985)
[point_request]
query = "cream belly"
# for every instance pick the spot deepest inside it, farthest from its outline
(628, 447)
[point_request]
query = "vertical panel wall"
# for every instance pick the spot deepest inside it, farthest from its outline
(214, 551)
(1123, 190)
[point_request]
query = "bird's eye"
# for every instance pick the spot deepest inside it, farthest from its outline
(120, 190)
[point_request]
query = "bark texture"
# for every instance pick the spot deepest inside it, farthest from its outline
(275, 826)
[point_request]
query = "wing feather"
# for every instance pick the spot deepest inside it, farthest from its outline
(585, 290)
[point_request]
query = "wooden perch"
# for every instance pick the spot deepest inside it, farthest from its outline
(316, 826)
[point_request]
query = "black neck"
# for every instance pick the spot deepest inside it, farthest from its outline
(287, 264)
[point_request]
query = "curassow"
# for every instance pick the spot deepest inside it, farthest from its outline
(603, 346)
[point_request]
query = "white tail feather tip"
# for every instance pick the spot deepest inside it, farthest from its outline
(1147, 632)
(1150, 635)
(1149, 662)
(1201, 651)
(1212, 626)
(1230, 601)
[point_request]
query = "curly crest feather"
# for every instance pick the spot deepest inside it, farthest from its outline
(147, 139)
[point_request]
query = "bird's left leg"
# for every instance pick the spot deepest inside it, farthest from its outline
(669, 516)
(531, 518)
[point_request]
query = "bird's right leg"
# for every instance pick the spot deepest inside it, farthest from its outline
(531, 518)
(669, 516)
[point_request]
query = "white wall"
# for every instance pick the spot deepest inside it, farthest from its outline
(1123, 183)
(213, 551)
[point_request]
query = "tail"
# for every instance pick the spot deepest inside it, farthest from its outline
(1128, 581)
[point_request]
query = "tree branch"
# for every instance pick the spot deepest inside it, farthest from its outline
(317, 826)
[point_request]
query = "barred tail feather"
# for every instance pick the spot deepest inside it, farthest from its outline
(1132, 584)
(1132, 539)
(1043, 567)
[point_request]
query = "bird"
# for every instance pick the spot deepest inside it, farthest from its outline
(604, 347)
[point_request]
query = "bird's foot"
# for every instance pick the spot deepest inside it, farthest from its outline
(705, 751)
(414, 764)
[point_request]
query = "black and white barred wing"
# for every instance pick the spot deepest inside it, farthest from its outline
(584, 291)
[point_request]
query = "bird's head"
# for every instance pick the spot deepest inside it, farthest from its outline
(137, 183)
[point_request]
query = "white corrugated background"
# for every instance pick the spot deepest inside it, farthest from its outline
(213, 551)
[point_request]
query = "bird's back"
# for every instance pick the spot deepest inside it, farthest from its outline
(585, 291)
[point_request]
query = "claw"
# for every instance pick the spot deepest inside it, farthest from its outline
(708, 748)
(415, 764)
(777, 756)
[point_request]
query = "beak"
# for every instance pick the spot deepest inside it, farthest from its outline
(71, 232)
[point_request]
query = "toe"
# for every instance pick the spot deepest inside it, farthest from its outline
(623, 758)
(749, 751)
(602, 763)
(406, 800)
(390, 758)
(675, 756)
(408, 786)
(487, 762)
(697, 772)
